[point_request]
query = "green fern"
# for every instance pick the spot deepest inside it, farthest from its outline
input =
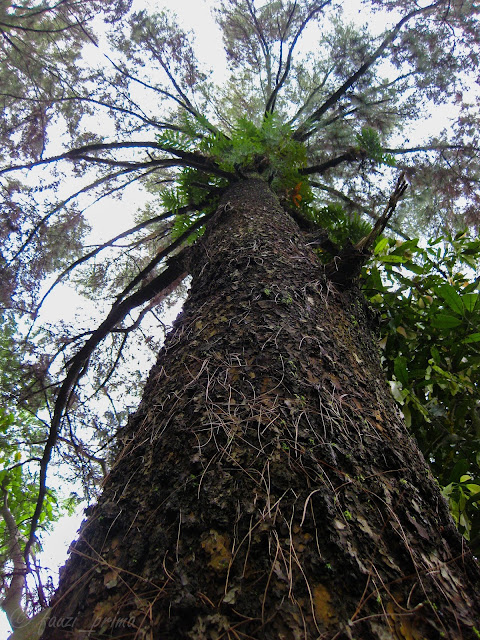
(271, 143)
(369, 141)
(172, 199)
(268, 148)
(183, 222)
(341, 226)
(192, 188)
(177, 140)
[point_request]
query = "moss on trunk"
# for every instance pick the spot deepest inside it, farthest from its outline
(267, 486)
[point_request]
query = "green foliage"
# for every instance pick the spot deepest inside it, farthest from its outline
(21, 445)
(172, 199)
(20, 381)
(192, 189)
(369, 142)
(35, 62)
(193, 186)
(178, 140)
(269, 146)
(341, 225)
(187, 135)
(183, 222)
(8, 370)
(18, 478)
(429, 302)
(463, 498)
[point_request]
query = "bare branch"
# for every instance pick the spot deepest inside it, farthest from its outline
(347, 265)
(105, 245)
(183, 101)
(434, 147)
(311, 97)
(349, 156)
(173, 274)
(263, 43)
(194, 160)
(81, 451)
(62, 204)
(124, 234)
(365, 243)
(305, 130)
(161, 255)
(270, 106)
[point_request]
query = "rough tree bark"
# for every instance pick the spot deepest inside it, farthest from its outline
(267, 486)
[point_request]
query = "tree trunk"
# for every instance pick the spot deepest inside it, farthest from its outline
(267, 487)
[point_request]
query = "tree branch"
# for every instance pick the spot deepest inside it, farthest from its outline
(263, 44)
(105, 245)
(348, 156)
(310, 97)
(160, 256)
(354, 205)
(433, 147)
(365, 243)
(184, 102)
(305, 130)
(175, 272)
(12, 603)
(345, 268)
(270, 106)
(62, 204)
(194, 160)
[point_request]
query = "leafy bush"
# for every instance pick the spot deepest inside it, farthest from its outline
(428, 298)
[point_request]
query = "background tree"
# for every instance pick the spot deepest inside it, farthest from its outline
(22, 440)
(323, 130)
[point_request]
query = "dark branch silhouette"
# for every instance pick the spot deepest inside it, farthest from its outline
(305, 130)
(270, 106)
(177, 269)
(356, 206)
(346, 266)
(161, 255)
(349, 156)
(62, 204)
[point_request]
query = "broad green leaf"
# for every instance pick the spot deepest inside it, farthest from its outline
(451, 297)
(400, 369)
(473, 337)
(472, 248)
(435, 354)
(393, 259)
(445, 321)
(469, 301)
(459, 470)
(381, 245)
(414, 268)
(405, 247)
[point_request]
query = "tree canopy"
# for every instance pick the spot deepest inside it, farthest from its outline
(332, 109)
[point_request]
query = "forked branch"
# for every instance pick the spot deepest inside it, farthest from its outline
(280, 81)
(366, 243)
(345, 267)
